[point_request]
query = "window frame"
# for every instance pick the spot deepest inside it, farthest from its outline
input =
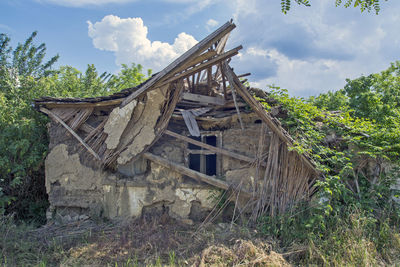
(202, 152)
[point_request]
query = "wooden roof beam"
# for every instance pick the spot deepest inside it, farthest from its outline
(56, 118)
(193, 174)
(259, 109)
(188, 55)
(210, 147)
(205, 65)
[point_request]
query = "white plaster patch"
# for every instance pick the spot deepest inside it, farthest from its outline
(116, 124)
(204, 196)
(186, 194)
(107, 188)
(137, 197)
(207, 197)
(144, 132)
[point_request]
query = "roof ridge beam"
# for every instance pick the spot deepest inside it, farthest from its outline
(191, 53)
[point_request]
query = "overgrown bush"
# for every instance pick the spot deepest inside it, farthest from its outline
(354, 141)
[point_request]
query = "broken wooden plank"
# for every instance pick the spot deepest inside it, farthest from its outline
(80, 104)
(259, 109)
(210, 147)
(201, 152)
(234, 100)
(188, 55)
(86, 128)
(223, 81)
(244, 75)
(205, 56)
(204, 99)
(221, 45)
(191, 173)
(189, 116)
(209, 77)
(56, 118)
(190, 122)
(203, 66)
(80, 118)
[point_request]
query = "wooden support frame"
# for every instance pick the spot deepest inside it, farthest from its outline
(235, 102)
(80, 104)
(56, 118)
(203, 66)
(259, 109)
(200, 152)
(190, 54)
(210, 147)
(205, 56)
(192, 174)
(204, 99)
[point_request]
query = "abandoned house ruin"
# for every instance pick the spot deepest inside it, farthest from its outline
(173, 142)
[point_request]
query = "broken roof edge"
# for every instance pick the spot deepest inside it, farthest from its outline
(127, 95)
(116, 98)
(192, 52)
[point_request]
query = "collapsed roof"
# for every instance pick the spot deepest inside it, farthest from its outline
(199, 87)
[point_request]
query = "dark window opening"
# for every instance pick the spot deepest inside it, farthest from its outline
(257, 121)
(194, 162)
(192, 146)
(211, 164)
(201, 159)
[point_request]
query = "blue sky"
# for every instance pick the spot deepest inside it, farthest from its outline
(308, 51)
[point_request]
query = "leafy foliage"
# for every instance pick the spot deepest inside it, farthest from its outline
(353, 136)
(362, 4)
(24, 76)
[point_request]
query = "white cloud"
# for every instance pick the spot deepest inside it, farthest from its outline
(127, 38)
(211, 23)
(80, 3)
(303, 77)
(313, 50)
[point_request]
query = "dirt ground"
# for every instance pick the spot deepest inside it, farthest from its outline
(155, 242)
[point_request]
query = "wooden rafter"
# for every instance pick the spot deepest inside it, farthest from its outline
(204, 99)
(210, 147)
(56, 118)
(80, 104)
(193, 174)
(187, 56)
(221, 45)
(205, 65)
(259, 109)
(200, 59)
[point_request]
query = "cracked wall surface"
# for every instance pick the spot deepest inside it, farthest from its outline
(143, 130)
(141, 185)
(70, 184)
(116, 124)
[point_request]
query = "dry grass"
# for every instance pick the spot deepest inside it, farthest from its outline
(144, 242)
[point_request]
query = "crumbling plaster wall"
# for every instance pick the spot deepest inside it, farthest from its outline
(76, 188)
(72, 184)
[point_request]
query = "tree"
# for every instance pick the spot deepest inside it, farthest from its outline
(24, 76)
(362, 4)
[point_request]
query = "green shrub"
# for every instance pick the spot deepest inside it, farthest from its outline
(24, 76)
